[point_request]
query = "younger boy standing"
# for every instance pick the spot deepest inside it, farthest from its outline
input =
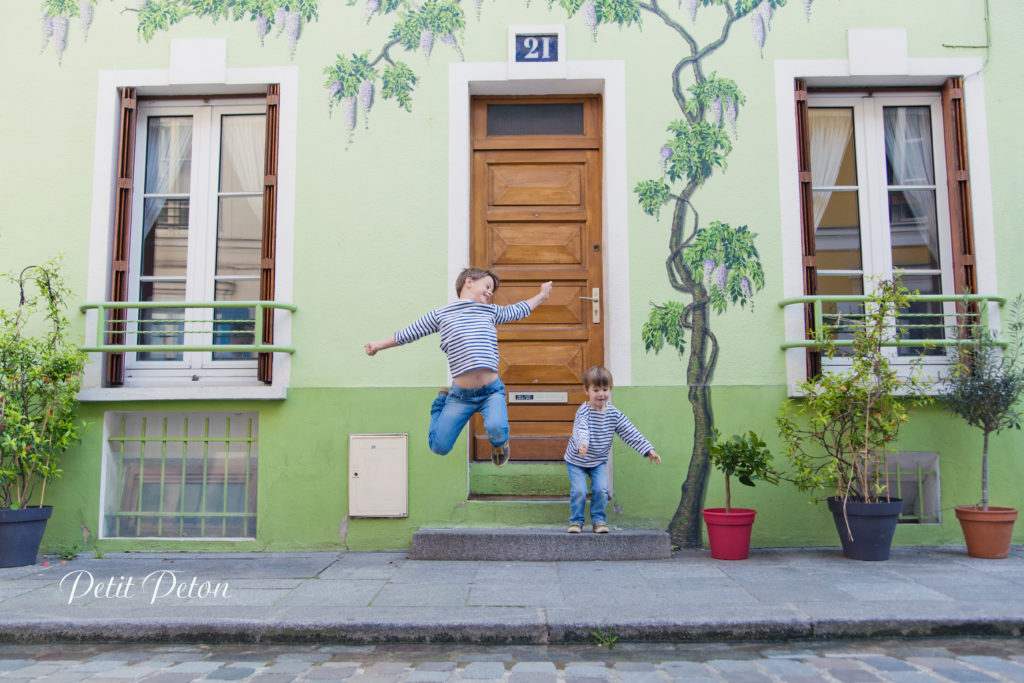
(597, 421)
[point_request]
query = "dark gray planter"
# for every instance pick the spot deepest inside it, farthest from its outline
(21, 531)
(871, 527)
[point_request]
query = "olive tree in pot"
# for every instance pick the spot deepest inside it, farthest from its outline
(839, 430)
(747, 458)
(983, 387)
(40, 375)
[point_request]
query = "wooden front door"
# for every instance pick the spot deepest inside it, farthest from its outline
(536, 216)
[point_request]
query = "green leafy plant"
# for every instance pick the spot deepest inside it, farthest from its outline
(69, 553)
(838, 433)
(40, 376)
(605, 637)
(986, 382)
(744, 456)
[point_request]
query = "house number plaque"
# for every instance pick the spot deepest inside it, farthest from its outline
(531, 47)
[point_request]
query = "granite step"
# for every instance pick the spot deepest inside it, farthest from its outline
(538, 544)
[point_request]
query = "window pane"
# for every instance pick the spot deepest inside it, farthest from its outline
(914, 229)
(161, 326)
(535, 119)
(922, 320)
(833, 160)
(165, 237)
(168, 154)
(837, 236)
(908, 146)
(235, 325)
(239, 235)
(241, 153)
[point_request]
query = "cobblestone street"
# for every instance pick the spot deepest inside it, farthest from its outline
(959, 659)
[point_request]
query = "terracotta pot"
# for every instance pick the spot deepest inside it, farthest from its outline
(729, 532)
(987, 532)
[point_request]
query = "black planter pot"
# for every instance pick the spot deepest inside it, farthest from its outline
(21, 531)
(871, 526)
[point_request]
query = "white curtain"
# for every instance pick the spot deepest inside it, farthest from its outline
(168, 148)
(831, 131)
(908, 151)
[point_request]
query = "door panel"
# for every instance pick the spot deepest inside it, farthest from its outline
(536, 216)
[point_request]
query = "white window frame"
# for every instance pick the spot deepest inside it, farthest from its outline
(200, 279)
(854, 72)
(873, 201)
(176, 81)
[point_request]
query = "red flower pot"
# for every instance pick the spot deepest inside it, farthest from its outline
(729, 532)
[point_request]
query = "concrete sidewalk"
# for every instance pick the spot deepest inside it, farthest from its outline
(370, 597)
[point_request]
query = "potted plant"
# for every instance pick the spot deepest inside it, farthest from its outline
(40, 375)
(837, 434)
(983, 387)
(747, 458)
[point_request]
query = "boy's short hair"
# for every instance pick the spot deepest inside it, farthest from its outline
(474, 274)
(597, 376)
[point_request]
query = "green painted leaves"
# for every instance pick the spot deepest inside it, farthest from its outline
(695, 150)
(652, 194)
(666, 325)
(726, 262)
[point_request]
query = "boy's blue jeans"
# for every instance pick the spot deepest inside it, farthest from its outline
(449, 414)
(578, 493)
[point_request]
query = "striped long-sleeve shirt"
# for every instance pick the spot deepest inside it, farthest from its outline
(468, 336)
(596, 429)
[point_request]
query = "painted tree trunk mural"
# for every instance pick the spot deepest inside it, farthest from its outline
(710, 263)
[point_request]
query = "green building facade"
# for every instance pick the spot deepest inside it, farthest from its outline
(342, 162)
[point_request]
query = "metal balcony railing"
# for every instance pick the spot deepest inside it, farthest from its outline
(931, 324)
(134, 330)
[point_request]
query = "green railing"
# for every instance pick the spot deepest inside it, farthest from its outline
(140, 328)
(949, 325)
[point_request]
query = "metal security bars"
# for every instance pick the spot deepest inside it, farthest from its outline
(932, 324)
(182, 331)
(181, 475)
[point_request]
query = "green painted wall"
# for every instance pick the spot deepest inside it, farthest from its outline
(371, 255)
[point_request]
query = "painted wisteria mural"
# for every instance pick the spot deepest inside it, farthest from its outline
(276, 18)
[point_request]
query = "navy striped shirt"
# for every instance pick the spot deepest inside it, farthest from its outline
(596, 429)
(468, 336)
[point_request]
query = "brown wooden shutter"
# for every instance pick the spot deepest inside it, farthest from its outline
(265, 368)
(959, 184)
(810, 271)
(122, 233)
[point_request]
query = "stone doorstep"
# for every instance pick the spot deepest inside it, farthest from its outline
(538, 544)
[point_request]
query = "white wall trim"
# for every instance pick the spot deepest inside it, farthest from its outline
(607, 78)
(836, 72)
(158, 81)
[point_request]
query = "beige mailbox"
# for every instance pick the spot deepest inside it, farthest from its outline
(378, 475)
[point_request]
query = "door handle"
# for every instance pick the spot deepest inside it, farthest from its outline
(595, 301)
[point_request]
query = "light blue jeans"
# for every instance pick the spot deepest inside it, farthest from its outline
(449, 414)
(578, 492)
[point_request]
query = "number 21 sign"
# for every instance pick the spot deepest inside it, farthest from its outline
(536, 48)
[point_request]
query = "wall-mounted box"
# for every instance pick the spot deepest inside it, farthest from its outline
(378, 475)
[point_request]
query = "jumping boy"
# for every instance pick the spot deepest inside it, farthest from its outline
(470, 341)
(597, 421)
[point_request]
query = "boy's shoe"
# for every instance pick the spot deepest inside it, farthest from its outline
(575, 528)
(601, 528)
(500, 454)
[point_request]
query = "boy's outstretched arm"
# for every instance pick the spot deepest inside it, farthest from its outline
(373, 347)
(653, 456)
(541, 296)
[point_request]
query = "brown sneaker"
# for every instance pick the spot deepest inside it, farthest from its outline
(575, 528)
(500, 454)
(601, 528)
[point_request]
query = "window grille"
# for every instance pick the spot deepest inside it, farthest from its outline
(914, 477)
(180, 475)
(535, 119)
